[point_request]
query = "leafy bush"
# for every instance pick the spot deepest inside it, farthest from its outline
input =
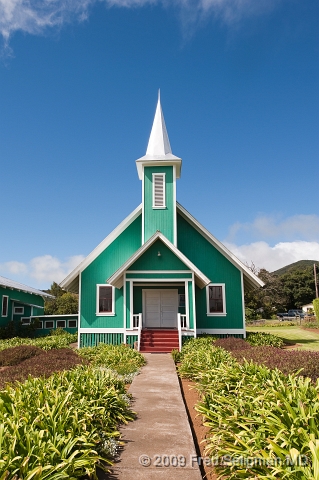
(176, 354)
(15, 355)
(316, 307)
(61, 427)
(255, 414)
(262, 338)
(119, 358)
(46, 343)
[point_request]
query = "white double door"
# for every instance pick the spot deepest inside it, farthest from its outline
(160, 308)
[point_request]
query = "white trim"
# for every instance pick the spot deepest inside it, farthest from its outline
(174, 208)
(221, 331)
(163, 206)
(250, 276)
(79, 317)
(243, 300)
(124, 301)
(101, 330)
(158, 280)
(131, 304)
(157, 271)
(186, 302)
(145, 284)
(104, 314)
(143, 208)
(7, 307)
(47, 321)
(55, 316)
(194, 304)
(101, 247)
(73, 320)
(217, 314)
(117, 278)
(18, 313)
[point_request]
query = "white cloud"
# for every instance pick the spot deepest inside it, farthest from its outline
(41, 271)
(272, 258)
(301, 227)
(35, 16)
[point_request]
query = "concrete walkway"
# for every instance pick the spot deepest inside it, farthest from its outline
(159, 444)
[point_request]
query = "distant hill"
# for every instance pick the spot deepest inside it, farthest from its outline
(300, 265)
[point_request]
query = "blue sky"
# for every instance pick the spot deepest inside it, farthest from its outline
(78, 90)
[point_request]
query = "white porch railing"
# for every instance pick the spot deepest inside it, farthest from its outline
(137, 325)
(137, 320)
(181, 325)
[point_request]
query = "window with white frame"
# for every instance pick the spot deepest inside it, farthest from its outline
(49, 324)
(26, 320)
(158, 190)
(18, 310)
(215, 296)
(60, 324)
(72, 323)
(105, 300)
(4, 308)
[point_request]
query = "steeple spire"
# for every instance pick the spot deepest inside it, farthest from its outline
(158, 150)
(158, 143)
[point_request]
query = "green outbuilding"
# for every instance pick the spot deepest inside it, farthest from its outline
(160, 276)
(19, 303)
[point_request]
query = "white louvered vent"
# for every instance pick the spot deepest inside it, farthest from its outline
(158, 190)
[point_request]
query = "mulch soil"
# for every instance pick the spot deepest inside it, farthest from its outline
(199, 431)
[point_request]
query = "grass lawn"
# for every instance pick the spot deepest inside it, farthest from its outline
(306, 340)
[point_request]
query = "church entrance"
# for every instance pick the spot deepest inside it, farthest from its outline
(160, 308)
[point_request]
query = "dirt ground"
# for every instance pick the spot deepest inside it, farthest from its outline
(199, 431)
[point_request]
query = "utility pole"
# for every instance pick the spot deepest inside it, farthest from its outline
(315, 273)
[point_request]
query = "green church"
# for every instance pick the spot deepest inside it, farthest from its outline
(160, 275)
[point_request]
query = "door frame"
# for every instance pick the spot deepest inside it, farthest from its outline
(144, 291)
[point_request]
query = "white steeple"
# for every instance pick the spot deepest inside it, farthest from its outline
(158, 144)
(159, 150)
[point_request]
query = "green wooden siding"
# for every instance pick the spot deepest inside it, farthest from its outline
(93, 339)
(102, 268)
(159, 219)
(190, 304)
(24, 299)
(131, 339)
(220, 270)
(128, 305)
(151, 261)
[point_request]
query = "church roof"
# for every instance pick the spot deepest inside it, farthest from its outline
(158, 150)
(13, 285)
(117, 278)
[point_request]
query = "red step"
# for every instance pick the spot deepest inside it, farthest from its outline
(159, 341)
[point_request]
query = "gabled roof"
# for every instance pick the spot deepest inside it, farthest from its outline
(71, 282)
(117, 278)
(11, 284)
(250, 279)
(159, 150)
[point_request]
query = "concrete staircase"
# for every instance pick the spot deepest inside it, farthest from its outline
(158, 341)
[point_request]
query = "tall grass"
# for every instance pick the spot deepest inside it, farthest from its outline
(46, 343)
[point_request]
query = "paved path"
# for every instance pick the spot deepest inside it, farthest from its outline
(161, 434)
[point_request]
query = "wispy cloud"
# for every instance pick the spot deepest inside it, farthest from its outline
(36, 16)
(296, 227)
(271, 258)
(40, 271)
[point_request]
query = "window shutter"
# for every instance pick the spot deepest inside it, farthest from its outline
(158, 190)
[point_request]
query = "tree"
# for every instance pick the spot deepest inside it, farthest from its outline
(64, 303)
(299, 287)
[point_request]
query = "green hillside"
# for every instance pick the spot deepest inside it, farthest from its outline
(300, 265)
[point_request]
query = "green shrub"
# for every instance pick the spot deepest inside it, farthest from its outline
(176, 354)
(316, 307)
(61, 427)
(119, 358)
(259, 339)
(46, 343)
